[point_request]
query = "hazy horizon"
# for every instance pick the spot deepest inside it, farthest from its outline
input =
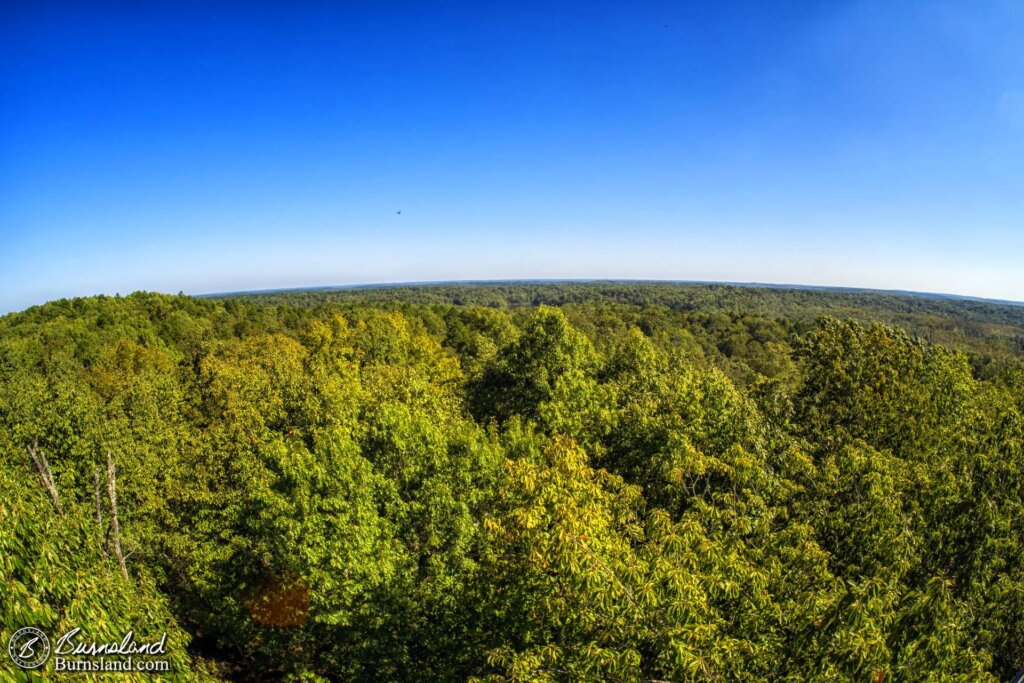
(220, 147)
(585, 280)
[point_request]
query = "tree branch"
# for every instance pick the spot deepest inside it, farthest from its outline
(114, 526)
(99, 513)
(43, 467)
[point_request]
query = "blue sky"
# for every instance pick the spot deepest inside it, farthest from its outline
(225, 146)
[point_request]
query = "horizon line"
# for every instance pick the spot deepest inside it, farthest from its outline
(640, 281)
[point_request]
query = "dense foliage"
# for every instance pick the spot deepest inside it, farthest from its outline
(385, 486)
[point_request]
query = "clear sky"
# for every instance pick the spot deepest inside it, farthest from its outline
(214, 146)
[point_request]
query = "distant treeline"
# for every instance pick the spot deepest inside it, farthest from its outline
(789, 302)
(986, 329)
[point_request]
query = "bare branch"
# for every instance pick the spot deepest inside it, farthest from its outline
(114, 526)
(45, 474)
(99, 513)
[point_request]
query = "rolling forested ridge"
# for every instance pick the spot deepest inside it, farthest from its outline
(521, 482)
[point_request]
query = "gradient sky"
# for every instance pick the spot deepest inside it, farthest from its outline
(215, 146)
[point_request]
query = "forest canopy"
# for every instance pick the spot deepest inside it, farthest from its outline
(522, 482)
